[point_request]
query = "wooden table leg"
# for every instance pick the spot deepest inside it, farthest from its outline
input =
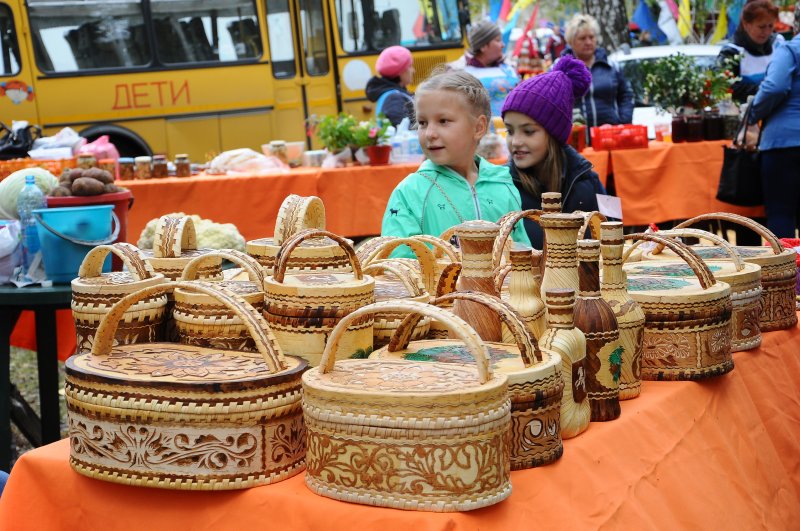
(8, 318)
(47, 360)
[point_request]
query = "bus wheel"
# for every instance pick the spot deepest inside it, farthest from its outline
(128, 143)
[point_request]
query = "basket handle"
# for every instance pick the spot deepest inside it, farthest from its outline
(448, 279)
(282, 259)
(246, 262)
(397, 269)
(698, 266)
(115, 226)
(591, 220)
(173, 236)
(526, 342)
(761, 230)
(131, 256)
(427, 262)
(297, 213)
(710, 236)
(441, 248)
(507, 224)
(456, 324)
(258, 328)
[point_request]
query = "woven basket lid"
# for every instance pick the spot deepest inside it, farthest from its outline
(396, 279)
(523, 362)
(298, 213)
(185, 368)
(251, 290)
(139, 274)
(317, 284)
(398, 390)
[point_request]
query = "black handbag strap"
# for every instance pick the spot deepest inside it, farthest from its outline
(744, 124)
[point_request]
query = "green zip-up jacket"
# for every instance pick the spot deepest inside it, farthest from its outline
(434, 198)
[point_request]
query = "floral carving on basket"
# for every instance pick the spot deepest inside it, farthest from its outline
(456, 354)
(539, 432)
(402, 376)
(668, 270)
(718, 252)
(656, 283)
(666, 347)
(145, 447)
(748, 326)
(413, 469)
(181, 363)
(289, 441)
(720, 341)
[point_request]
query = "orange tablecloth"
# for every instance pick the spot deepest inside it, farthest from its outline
(671, 181)
(719, 454)
(600, 161)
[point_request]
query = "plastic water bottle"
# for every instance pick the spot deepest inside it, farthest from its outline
(29, 199)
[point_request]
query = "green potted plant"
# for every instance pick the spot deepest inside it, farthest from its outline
(335, 132)
(372, 136)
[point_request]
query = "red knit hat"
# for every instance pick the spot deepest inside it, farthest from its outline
(393, 61)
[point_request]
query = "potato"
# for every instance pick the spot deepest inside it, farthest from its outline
(60, 191)
(103, 176)
(87, 186)
(72, 174)
(112, 188)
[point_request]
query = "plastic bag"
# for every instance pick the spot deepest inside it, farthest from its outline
(10, 249)
(66, 138)
(245, 160)
(338, 160)
(101, 148)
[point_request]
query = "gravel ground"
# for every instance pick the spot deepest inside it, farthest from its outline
(24, 376)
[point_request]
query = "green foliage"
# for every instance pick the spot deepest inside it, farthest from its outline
(371, 133)
(335, 132)
(361, 354)
(615, 359)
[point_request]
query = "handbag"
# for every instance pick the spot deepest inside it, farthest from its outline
(16, 143)
(740, 179)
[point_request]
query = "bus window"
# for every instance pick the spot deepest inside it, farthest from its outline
(281, 39)
(192, 31)
(315, 47)
(74, 36)
(372, 25)
(9, 48)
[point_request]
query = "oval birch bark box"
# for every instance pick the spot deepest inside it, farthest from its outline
(183, 417)
(687, 331)
(95, 292)
(778, 269)
(407, 434)
(534, 377)
(175, 245)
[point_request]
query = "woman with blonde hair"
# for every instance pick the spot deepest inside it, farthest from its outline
(610, 97)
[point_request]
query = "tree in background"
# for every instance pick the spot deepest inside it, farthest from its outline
(613, 18)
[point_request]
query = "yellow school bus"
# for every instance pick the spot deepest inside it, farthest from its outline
(204, 76)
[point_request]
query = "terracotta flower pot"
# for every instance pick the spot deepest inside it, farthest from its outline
(378, 155)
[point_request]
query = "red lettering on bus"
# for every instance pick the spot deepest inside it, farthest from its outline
(117, 93)
(137, 95)
(159, 84)
(181, 89)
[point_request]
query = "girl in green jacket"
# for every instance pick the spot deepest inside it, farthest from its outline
(454, 184)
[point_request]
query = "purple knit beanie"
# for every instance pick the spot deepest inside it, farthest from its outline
(548, 98)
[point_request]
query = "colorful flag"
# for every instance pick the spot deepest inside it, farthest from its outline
(504, 11)
(673, 8)
(644, 19)
(528, 27)
(734, 12)
(520, 5)
(494, 9)
(721, 31)
(685, 19)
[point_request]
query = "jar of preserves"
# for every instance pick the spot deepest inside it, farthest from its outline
(142, 170)
(159, 167)
(183, 167)
(126, 172)
(277, 149)
(86, 161)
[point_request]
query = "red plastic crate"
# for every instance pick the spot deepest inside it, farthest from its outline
(577, 138)
(628, 136)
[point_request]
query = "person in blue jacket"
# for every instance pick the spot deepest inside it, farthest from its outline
(388, 90)
(609, 99)
(538, 117)
(777, 103)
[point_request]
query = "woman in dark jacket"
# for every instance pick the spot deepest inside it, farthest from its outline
(610, 97)
(395, 68)
(537, 115)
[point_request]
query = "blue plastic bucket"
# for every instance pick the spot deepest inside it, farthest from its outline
(68, 234)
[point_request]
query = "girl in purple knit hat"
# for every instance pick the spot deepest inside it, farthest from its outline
(538, 116)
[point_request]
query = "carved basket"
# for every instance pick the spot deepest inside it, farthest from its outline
(687, 330)
(743, 278)
(174, 245)
(535, 385)
(314, 254)
(404, 434)
(94, 293)
(203, 321)
(302, 309)
(184, 417)
(778, 269)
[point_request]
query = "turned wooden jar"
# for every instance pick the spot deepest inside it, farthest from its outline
(523, 290)
(561, 254)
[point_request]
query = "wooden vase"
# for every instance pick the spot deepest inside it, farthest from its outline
(561, 254)
(570, 343)
(595, 318)
(477, 274)
(551, 202)
(630, 316)
(523, 292)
